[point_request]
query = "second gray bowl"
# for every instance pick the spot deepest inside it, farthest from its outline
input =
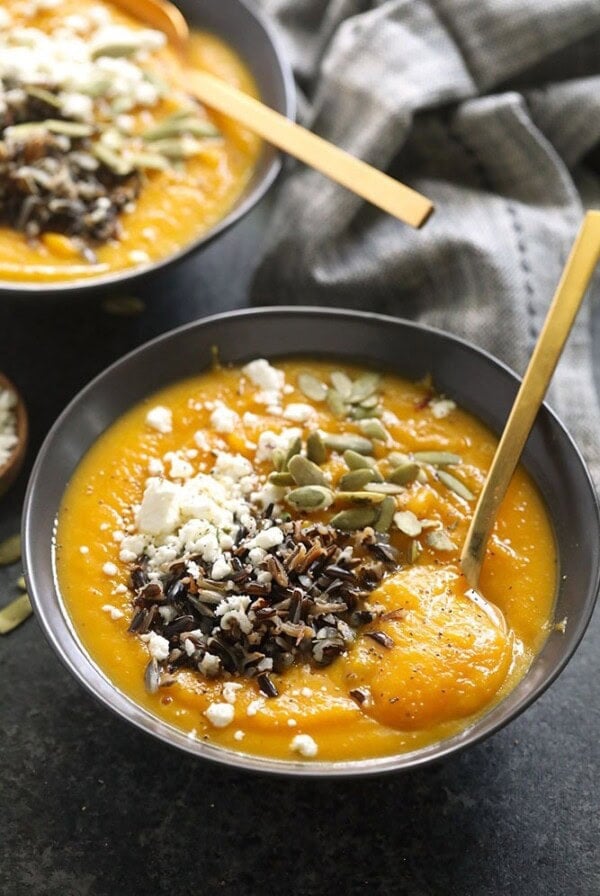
(240, 25)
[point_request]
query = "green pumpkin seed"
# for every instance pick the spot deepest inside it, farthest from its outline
(129, 45)
(149, 161)
(278, 459)
(455, 485)
(408, 523)
(310, 497)
(357, 461)
(305, 472)
(178, 124)
(384, 488)
(371, 402)
(348, 442)
(16, 131)
(159, 84)
(69, 128)
(117, 164)
(364, 387)
(44, 95)
(95, 88)
(397, 458)
(356, 479)
(335, 403)
(386, 514)
(281, 479)
(342, 383)
(357, 412)
(363, 497)
(311, 387)
(177, 147)
(14, 613)
(123, 306)
(440, 540)
(294, 448)
(21, 583)
(414, 550)
(356, 518)
(10, 550)
(374, 429)
(437, 458)
(405, 473)
(315, 448)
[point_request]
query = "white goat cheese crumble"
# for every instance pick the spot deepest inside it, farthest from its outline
(220, 714)
(264, 375)
(298, 412)
(113, 612)
(160, 419)
(158, 647)
(224, 419)
(160, 508)
(441, 407)
(305, 745)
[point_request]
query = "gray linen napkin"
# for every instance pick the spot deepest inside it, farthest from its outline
(489, 107)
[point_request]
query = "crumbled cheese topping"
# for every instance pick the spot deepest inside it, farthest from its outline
(160, 419)
(441, 407)
(254, 706)
(305, 745)
(72, 58)
(223, 419)
(298, 412)
(220, 714)
(158, 647)
(114, 612)
(264, 375)
(230, 691)
(268, 441)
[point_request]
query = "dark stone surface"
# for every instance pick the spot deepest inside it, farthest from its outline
(90, 806)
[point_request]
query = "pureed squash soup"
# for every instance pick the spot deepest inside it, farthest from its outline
(106, 163)
(267, 558)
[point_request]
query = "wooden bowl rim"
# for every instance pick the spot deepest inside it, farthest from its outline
(9, 470)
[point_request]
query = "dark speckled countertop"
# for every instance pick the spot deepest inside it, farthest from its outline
(89, 806)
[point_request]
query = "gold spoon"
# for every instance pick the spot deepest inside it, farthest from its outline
(567, 299)
(382, 190)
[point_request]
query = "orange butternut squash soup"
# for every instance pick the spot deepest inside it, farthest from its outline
(106, 162)
(267, 557)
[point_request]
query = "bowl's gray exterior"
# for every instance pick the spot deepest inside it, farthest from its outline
(474, 379)
(250, 34)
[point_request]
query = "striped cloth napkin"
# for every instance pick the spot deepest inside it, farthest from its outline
(489, 107)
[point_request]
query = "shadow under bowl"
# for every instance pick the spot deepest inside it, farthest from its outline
(475, 380)
(240, 25)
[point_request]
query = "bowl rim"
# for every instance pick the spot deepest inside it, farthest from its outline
(127, 276)
(144, 720)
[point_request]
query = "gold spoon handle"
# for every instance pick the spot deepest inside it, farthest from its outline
(376, 187)
(557, 326)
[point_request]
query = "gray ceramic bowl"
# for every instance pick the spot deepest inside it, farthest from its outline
(244, 29)
(474, 379)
